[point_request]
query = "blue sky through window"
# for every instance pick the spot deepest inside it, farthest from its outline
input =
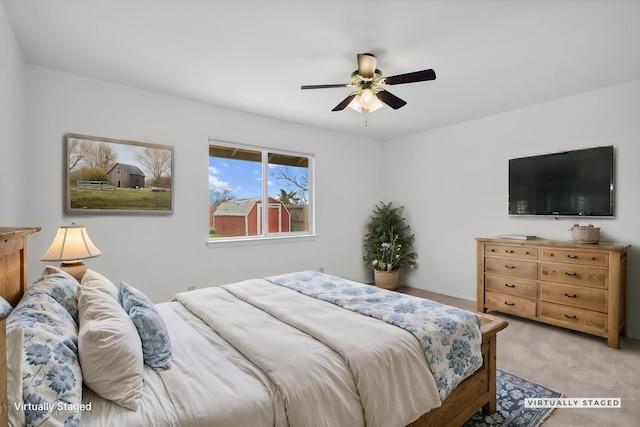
(244, 178)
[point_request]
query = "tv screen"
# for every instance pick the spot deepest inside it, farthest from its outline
(571, 183)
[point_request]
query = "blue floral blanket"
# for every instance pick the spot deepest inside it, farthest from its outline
(449, 336)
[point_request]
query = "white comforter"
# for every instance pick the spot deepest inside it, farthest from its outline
(257, 354)
(209, 383)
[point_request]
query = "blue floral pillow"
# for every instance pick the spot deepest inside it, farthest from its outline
(51, 375)
(156, 347)
(61, 286)
(5, 307)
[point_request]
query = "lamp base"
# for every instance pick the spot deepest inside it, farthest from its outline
(75, 268)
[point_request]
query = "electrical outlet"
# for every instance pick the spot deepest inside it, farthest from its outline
(321, 269)
(191, 288)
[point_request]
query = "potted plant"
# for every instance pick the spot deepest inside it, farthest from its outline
(388, 244)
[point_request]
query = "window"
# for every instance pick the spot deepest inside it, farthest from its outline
(243, 180)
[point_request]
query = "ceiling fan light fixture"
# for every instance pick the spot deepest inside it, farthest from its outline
(366, 100)
(355, 104)
(376, 105)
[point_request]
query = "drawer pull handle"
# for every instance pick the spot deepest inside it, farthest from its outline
(510, 266)
(571, 296)
(510, 304)
(508, 251)
(572, 256)
(509, 286)
(493, 250)
(570, 317)
(571, 274)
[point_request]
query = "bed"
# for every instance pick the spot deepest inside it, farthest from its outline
(293, 349)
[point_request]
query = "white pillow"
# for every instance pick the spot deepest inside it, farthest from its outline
(50, 269)
(109, 348)
(98, 281)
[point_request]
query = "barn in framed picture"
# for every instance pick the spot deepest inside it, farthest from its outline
(122, 175)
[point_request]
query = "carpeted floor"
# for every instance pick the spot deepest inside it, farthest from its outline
(511, 412)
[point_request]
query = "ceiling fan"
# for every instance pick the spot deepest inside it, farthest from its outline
(371, 86)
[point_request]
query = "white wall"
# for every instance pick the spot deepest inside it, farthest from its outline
(164, 254)
(13, 120)
(453, 184)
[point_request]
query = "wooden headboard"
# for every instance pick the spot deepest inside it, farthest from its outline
(13, 284)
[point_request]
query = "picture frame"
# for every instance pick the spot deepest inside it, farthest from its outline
(115, 176)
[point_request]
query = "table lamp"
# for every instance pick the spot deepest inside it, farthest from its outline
(71, 245)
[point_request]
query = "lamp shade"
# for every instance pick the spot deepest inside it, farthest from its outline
(355, 104)
(70, 244)
(376, 105)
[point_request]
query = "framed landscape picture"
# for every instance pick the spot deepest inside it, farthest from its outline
(117, 176)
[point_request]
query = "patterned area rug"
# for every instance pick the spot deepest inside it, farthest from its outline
(510, 411)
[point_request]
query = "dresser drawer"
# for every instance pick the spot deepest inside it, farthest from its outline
(511, 285)
(574, 318)
(511, 251)
(524, 307)
(575, 296)
(597, 259)
(573, 274)
(512, 267)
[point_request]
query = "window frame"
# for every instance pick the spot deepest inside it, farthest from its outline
(266, 236)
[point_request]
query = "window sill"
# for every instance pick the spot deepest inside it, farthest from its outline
(253, 241)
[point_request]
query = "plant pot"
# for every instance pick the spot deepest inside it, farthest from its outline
(386, 279)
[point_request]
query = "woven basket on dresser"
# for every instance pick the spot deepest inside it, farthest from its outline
(585, 234)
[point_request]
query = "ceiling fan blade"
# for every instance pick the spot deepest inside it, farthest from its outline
(390, 99)
(322, 86)
(367, 65)
(416, 76)
(344, 102)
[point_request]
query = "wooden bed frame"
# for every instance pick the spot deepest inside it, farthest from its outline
(13, 284)
(477, 391)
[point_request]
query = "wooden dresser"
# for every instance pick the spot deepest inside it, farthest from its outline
(576, 286)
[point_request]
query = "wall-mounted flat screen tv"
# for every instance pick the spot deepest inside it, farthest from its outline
(571, 183)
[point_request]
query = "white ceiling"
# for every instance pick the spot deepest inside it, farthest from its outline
(250, 55)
